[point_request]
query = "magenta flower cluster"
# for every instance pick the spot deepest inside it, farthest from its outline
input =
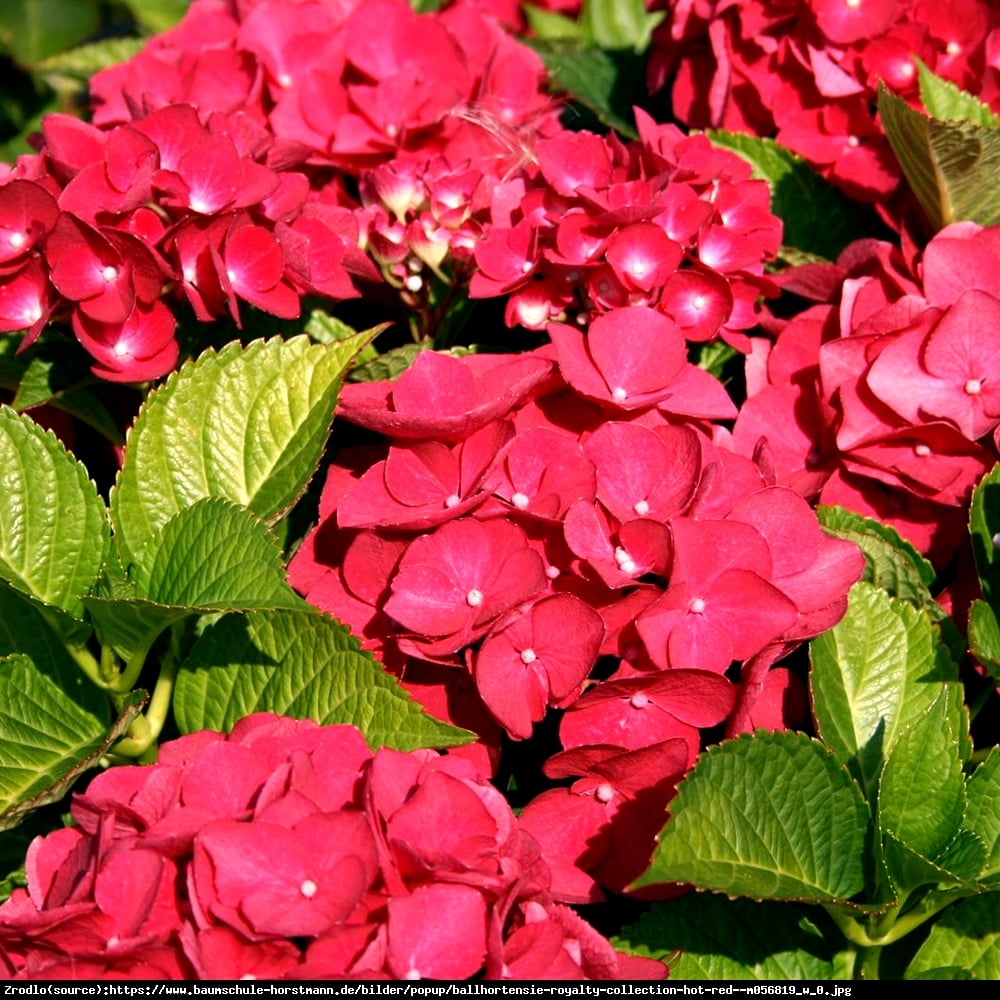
(529, 514)
(289, 850)
(807, 72)
(883, 398)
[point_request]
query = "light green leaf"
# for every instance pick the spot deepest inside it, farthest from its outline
(921, 793)
(248, 424)
(619, 24)
(947, 102)
(45, 733)
(53, 525)
(982, 812)
(984, 636)
(892, 563)
(984, 523)
(547, 24)
(769, 815)
(952, 166)
(817, 217)
(724, 939)
(214, 555)
(301, 664)
(879, 669)
(967, 936)
(211, 556)
(38, 28)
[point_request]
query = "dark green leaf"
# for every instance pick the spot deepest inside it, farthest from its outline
(817, 218)
(725, 939)
(984, 523)
(606, 83)
(984, 636)
(39, 28)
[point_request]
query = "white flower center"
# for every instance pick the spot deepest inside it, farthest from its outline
(974, 386)
(452, 501)
(639, 700)
(308, 888)
(109, 274)
(619, 394)
(625, 562)
(922, 450)
(697, 606)
(17, 240)
(953, 49)
(520, 501)
(641, 508)
(474, 598)
(528, 656)
(604, 793)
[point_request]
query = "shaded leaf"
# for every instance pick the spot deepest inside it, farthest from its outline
(817, 218)
(984, 524)
(769, 815)
(606, 83)
(967, 936)
(39, 28)
(46, 735)
(984, 636)
(733, 939)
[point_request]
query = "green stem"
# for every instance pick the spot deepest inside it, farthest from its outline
(87, 662)
(869, 962)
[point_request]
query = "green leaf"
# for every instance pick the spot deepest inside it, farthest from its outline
(984, 524)
(724, 939)
(768, 815)
(45, 734)
(947, 102)
(39, 28)
(53, 525)
(952, 166)
(327, 329)
(619, 24)
(921, 792)
(214, 555)
(967, 936)
(81, 63)
(982, 811)
(891, 562)
(984, 636)
(390, 365)
(713, 357)
(60, 784)
(156, 16)
(817, 217)
(27, 627)
(879, 669)
(606, 83)
(248, 423)
(547, 24)
(301, 664)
